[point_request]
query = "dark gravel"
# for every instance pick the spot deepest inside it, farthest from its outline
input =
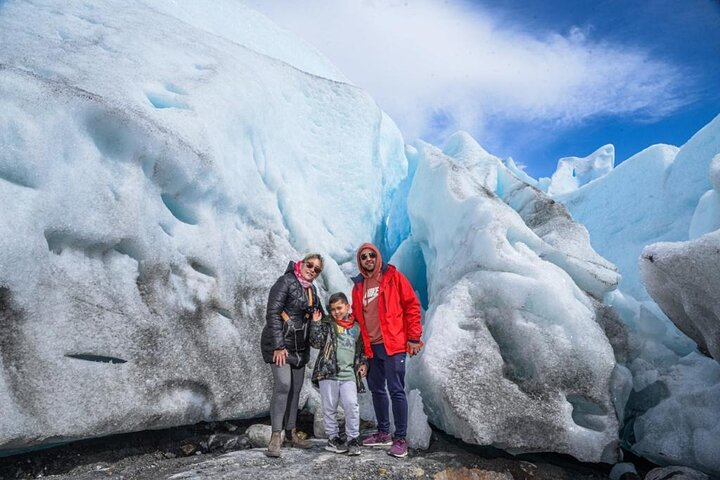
(221, 451)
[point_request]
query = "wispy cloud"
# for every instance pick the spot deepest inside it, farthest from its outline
(437, 67)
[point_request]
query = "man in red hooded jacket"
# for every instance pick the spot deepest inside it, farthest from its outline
(388, 311)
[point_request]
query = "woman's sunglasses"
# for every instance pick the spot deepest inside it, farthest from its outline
(364, 256)
(311, 266)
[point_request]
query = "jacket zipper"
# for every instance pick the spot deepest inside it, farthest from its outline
(309, 296)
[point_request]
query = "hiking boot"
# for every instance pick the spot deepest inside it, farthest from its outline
(295, 439)
(399, 448)
(335, 445)
(353, 446)
(379, 439)
(273, 449)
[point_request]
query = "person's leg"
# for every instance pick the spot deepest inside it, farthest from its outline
(281, 390)
(376, 383)
(329, 391)
(348, 396)
(395, 375)
(297, 378)
(278, 402)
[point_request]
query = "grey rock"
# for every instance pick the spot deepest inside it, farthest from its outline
(222, 441)
(675, 473)
(259, 435)
(624, 471)
(451, 462)
(188, 449)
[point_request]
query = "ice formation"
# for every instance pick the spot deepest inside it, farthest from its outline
(156, 175)
(671, 415)
(706, 217)
(574, 172)
(514, 354)
(651, 204)
(650, 197)
(419, 431)
(683, 278)
(161, 161)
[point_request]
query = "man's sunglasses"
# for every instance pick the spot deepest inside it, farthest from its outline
(364, 256)
(311, 266)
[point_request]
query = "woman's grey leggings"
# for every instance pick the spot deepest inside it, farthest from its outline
(286, 394)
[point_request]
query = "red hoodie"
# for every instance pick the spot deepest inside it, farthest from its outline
(398, 306)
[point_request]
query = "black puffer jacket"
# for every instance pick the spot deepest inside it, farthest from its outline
(288, 295)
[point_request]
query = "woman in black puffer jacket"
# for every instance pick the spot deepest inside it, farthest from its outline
(285, 345)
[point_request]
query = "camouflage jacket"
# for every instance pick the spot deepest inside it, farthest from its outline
(323, 336)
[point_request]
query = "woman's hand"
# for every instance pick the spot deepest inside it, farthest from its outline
(280, 357)
(317, 315)
(362, 370)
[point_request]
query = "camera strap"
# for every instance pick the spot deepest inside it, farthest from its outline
(311, 299)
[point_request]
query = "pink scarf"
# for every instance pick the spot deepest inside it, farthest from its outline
(299, 276)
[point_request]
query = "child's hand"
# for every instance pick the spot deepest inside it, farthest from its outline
(317, 315)
(362, 371)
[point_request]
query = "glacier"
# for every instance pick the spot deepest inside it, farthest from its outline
(654, 217)
(161, 161)
(706, 217)
(156, 177)
(515, 355)
(673, 182)
(574, 172)
(683, 278)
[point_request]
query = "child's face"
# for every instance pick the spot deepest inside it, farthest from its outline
(339, 309)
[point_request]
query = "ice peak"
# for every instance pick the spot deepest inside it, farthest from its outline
(464, 148)
(574, 172)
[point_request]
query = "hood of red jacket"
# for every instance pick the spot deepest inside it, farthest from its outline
(378, 260)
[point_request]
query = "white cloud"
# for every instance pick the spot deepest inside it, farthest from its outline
(437, 67)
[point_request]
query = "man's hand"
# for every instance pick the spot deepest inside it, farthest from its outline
(413, 348)
(317, 315)
(362, 370)
(280, 357)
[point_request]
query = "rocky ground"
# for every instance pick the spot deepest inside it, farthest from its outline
(223, 451)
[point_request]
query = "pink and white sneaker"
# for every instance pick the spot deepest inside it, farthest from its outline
(379, 439)
(399, 448)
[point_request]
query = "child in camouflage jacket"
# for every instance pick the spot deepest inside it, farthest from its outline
(338, 372)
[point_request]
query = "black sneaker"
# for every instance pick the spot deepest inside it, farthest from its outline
(335, 445)
(353, 446)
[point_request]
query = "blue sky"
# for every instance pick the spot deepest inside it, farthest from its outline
(684, 34)
(532, 80)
